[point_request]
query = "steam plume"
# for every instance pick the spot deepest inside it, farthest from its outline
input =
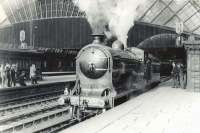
(118, 14)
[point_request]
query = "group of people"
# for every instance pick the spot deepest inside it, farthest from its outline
(10, 75)
(178, 75)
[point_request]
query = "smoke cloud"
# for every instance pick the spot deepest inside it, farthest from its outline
(118, 14)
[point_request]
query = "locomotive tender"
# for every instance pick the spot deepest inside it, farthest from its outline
(104, 74)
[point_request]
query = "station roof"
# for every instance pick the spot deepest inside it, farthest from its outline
(159, 41)
(160, 12)
(16, 11)
(169, 12)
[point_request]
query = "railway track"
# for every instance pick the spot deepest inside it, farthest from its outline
(67, 123)
(36, 120)
(27, 100)
(23, 107)
(72, 122)
(42, 116)
(33, 116)
(39, 113)
(32, 108)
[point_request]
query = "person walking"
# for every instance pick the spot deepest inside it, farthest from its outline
(184, 76)
(179, 65)
(8, 75)
(33, 74)
(175, 74)
(13, 75)
(21, 78)
(147, 73)
(172, 74)
(3, 75)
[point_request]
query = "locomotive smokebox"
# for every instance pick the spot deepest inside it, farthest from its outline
(93, 62)
(98, 38)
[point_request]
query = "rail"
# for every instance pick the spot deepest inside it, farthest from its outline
(57, 73)
(8, 95)
(33, 120)
(25, 108)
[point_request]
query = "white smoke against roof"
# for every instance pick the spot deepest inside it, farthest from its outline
(180, 1)
(118, 14)
(2, 14)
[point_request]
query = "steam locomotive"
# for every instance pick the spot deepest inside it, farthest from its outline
(104, 74)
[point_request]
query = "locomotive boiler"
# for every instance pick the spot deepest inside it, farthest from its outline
(104, 74)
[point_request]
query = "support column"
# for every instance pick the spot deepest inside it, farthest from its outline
(192, 47)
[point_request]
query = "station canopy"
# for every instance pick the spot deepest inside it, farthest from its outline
(16, 11)
(169, 12)
(160, 12)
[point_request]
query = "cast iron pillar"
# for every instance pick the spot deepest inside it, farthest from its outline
(192, 47)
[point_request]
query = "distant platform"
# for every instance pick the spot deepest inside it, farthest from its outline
(51, 79)
(60, 78)
(58, 73)
(161, 110)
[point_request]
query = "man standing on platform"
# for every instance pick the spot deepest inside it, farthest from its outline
(3, 75)
(8, 75)
(13, 75)
(33, 74)
(147, 72)
(21, 78)
(175, 74)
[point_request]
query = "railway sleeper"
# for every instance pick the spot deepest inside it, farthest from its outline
(30, 113)
(30, 122)
(29, 103)
(30, 97)
(58, 127)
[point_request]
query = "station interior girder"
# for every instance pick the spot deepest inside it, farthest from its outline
(163, 13)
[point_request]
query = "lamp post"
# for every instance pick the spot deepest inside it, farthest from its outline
(35, 29)
(179, 31)
(22, 37)
(31, 33)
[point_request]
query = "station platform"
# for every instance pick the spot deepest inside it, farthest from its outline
(60, 78)
(160, 110)
(51, 79)
(58, 73)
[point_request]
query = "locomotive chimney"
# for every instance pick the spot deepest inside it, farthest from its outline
(98, 38)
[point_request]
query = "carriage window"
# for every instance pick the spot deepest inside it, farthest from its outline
(155, 68)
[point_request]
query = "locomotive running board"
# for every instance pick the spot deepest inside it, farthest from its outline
(126, 93)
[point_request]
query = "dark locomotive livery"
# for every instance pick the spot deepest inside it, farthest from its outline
(105, 74)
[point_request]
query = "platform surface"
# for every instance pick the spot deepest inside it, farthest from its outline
(52, 79)
(161, 110)
(61, 78)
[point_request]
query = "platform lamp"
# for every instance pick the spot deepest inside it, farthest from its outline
(22, 38)
(179, 31)
(35, 29)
